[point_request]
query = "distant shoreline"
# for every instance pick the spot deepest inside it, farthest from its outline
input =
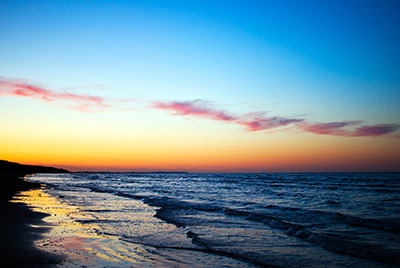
(7, 166)
(272, 173)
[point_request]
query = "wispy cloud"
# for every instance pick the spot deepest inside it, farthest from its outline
(375, 130)
(349, 129)
(331, 128)
(262, 122)
(80, 102)
(257, 121)
(199, 108)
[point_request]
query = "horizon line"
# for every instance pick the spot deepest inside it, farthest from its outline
(209, 171)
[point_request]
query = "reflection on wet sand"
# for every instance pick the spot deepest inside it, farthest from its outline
(149, 241)
(80, 244)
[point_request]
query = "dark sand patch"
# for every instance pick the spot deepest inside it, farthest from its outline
(17, 227)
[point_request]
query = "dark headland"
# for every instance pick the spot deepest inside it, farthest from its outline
(17, 236)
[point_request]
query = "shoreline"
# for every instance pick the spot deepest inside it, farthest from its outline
(57, 227)
(152, 242)
(20, 226)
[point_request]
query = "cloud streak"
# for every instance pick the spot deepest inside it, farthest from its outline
(265, 123)
(198, 109)
(80, 102)
(355, 130)
(331, 128)
(258, 121)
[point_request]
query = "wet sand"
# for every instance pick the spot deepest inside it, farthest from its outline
(79, 244)
(40, 229)
(72, 234)
(20, 227)
(36, 231)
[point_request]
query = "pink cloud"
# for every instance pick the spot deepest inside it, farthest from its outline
(331, 128)
(199, 108)
(80, 102)
(376, 130)
(258, 121)
(348, 129)
(195, 108)
(263, 123)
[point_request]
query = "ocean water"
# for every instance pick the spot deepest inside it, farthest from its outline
(241, 220)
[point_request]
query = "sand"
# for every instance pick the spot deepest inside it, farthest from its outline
(37, 231)
(17, 230)
(79, 244)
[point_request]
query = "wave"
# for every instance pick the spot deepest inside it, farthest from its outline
(325, 240)
(204, 247)
(189, 200)
(169, 210)
(389, 226)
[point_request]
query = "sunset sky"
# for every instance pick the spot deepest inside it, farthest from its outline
(201, 86)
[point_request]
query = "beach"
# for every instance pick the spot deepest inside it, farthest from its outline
(39, 229)
(17, 229)
(35, 228)
(200, 220)
(221, 220)
(20, 225)
(200, 134)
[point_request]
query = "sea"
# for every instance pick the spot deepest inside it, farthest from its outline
(240, 220)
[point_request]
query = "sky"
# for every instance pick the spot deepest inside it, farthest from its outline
(201, 86)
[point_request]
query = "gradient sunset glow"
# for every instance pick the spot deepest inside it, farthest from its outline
(201, 86)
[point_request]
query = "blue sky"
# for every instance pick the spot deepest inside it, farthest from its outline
(206, 48)
(322, 61)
